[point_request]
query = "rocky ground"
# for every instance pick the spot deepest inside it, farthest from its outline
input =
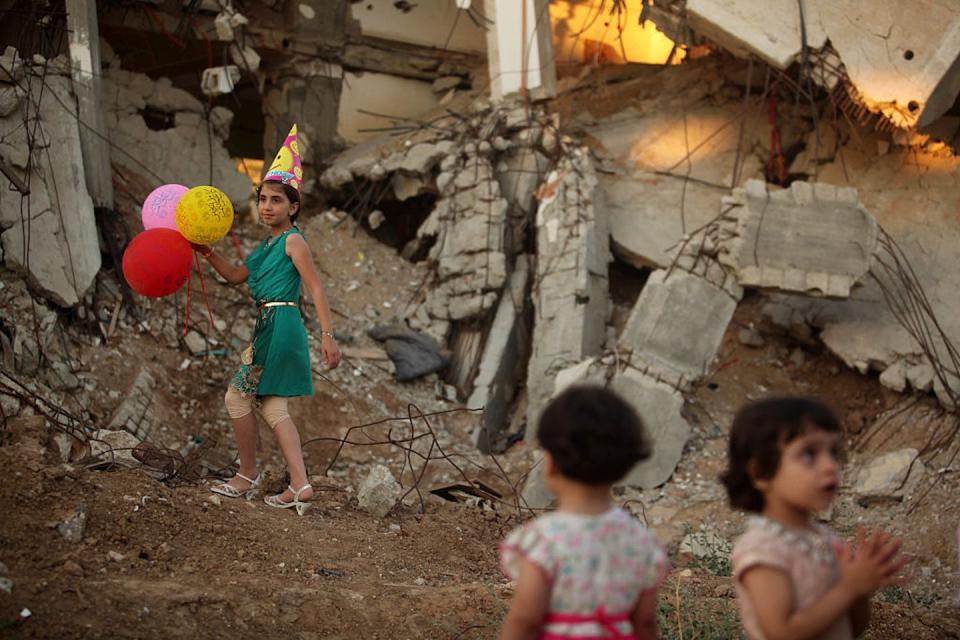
(96, 550)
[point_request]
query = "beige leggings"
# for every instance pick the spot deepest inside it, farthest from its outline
(272, 408)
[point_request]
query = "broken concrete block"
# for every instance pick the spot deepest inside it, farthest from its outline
(676, 325)
(422, 158)
(64, 251)
(659, 406)
(520, 174)
(114, 447)
(503, 354)
(137, 413)
(405, 187)
(920, 377)
(195, 342)
(10, 99)
(890, 476)
(895, 376)
(806, 239)
(379, 491)
(750, 337)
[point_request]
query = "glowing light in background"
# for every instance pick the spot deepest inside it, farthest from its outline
(585, 32)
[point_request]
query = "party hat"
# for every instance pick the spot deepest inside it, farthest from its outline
(286, 167)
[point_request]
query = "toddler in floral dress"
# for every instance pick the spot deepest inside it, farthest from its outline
(796, 579)
(588, 570)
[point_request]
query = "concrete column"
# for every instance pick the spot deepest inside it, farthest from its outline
(85, 64)
(520, 48)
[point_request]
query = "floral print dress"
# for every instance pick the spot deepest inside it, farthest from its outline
(597, 567)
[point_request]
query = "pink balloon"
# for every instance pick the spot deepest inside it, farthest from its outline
(160, 207)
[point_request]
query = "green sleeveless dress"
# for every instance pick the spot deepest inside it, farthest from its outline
(281, 356)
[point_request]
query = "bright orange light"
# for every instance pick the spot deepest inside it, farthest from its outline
(251, 167)
(585, 31)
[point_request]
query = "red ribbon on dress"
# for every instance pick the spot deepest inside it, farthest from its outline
(600, 617)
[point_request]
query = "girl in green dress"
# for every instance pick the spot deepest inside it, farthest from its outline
(278, 365)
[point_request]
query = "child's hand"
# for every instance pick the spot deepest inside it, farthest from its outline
(872, 563)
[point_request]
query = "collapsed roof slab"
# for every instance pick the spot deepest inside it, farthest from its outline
(812, 238)
(770, 30)
(903, 63)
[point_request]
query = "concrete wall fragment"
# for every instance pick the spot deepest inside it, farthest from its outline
(49, 236)
(812, 238)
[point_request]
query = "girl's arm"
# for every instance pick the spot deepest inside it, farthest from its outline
(529, 606)
(299, 252)
(771, 594)
(644, 616)
(234, 274)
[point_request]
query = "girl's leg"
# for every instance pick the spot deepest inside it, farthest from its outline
(274, 410)
(240, 408)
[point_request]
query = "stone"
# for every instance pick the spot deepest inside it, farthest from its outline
(60, 377)
(706, 544)
(750, 337)
(379, 491)
(195, 342)
(115, 556)
(413, 354)
(74, 527)
(6, 585)
(921, 376)
(375, 219)
(64, 252)
(810, 238)
(137, 414)
(887, 477)
(496, 382)
(676, 326)
(895, 376)
(114, 447)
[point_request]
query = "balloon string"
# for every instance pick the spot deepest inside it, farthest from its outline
(186, 311)
(203, 288)
(236, 245)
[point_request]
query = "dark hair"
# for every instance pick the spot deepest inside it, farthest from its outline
(292, 195)
(760, 431)
(593, 435)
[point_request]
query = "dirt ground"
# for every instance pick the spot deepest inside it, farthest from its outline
(161, 559)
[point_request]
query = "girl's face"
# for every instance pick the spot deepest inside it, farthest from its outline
(274, 207)
(808, 476)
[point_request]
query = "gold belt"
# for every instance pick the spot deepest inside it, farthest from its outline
(264, 305)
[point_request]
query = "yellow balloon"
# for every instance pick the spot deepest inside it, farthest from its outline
(204, 215)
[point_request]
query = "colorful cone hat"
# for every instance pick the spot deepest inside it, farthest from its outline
(286, 167)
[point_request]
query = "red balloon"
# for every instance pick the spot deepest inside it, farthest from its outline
(157, 262)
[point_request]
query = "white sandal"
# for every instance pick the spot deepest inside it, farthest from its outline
(228, 490)
(296, 503)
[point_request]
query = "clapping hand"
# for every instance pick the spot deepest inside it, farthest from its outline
(872, 563)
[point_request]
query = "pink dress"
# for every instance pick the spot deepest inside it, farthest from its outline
(597, 567)
(808, 559)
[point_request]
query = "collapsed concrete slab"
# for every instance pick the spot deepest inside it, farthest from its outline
(570, 291)
(50, 235)
(676, 326)
(502, 359)
(812, 238)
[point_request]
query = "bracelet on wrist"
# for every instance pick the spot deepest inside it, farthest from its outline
(327, 333)
(208, 253)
